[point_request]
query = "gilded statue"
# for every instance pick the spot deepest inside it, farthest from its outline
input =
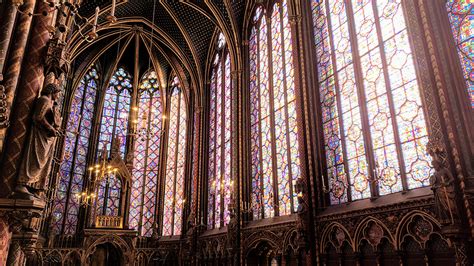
(442, 184)
(36, 164)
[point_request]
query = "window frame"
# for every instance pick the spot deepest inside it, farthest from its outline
(221, 54)
(359, 82)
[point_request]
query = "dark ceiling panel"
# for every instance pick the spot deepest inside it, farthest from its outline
(197, 25)
(238, 8)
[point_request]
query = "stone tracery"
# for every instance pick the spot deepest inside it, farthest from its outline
(271, 109)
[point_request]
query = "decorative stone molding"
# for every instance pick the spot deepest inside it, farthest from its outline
(56, 62)
(3, 108)
(21, 215)
(23, 219)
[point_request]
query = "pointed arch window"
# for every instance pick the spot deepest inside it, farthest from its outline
(73, 167)
(115, 112)
(461, 17)
(147, 154)
(219, 182)
(274, 149)
(373, 122)
(176, 151)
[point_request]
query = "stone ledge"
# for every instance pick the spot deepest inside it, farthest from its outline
(21, 204)
(109, 231)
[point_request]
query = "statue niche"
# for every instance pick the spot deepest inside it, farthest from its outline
(442, 184)
(36, 163)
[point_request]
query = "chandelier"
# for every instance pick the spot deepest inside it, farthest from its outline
(61, 6)
(97, 172)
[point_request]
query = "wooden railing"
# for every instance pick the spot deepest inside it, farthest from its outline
(103, 221)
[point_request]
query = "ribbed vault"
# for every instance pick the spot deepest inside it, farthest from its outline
(177, 34)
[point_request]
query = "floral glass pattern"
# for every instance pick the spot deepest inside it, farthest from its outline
(174, 180)
(368, 84)
(275, 158)
(73, 167)
(220, 119)
(143, 196)
(461, 17)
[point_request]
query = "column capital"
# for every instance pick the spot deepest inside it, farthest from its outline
(294, 19)
(235, 73)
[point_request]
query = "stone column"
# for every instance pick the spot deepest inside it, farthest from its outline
(32, 73)
(124, 201)
(7, 22)
(236, 82)
(14, 253)
(15, 58)
(195, 174)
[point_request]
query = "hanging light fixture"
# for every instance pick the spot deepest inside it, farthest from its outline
(97, 172)
(61, 5)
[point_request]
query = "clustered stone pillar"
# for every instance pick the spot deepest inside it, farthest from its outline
(14, 253)
(11, 70)
(7, 21)
(32, 77)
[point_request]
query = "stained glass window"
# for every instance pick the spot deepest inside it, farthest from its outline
(368, 84)
(461, 16)
(174, 180)
(146, 158)
(73, 167)
(114, 122)
(219, 145)
(275, 159)
(108, 196)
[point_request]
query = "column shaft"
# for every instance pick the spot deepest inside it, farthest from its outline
(8, 21)
(11, 70)
(32, 77)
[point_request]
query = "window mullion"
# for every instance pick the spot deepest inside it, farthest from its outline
(106, 195)
(390, 99)
(114, 125)
(359, 80)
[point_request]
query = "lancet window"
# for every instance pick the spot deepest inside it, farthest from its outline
(274, 144)
(146, 163)
(175, 162)
(76, 146)
(220, 181)
(115, 112)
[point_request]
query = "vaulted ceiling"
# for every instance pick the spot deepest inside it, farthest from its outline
(182, 32)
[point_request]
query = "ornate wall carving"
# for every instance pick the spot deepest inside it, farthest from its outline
(5, 237)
